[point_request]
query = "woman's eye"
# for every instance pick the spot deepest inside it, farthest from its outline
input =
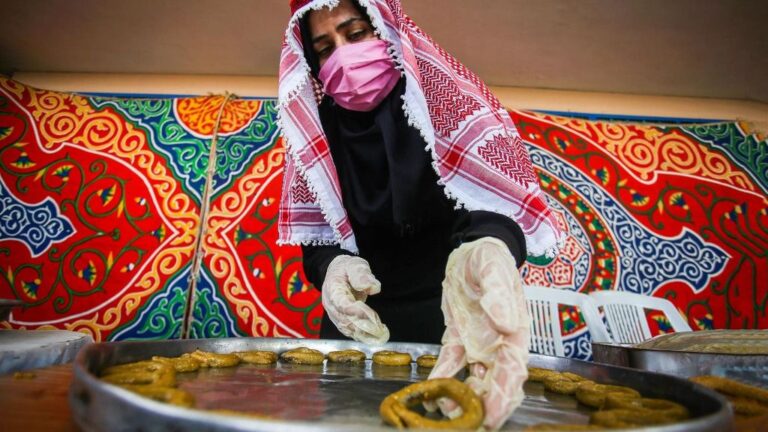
(357, 35)
(324, 52)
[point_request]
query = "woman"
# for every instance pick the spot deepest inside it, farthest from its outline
(409, 190)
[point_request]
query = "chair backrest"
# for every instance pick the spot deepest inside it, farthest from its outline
(546, 330)
(625, 314)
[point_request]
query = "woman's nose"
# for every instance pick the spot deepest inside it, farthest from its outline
(340, 40)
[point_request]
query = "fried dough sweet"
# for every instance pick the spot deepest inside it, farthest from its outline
(305, 356)
(539, 374)
(214, 360)
(746, 407)
(629, 418)
(143, 365)
(426, 361)
(181, 364)
(747, 400)
(258, 357)
(145, 372)
(619, 406)
(593, 394)
(395, 407)
(563, 383)
(392, 358)
(168, 395)
(346, 356)
(668, 408)
(731, 387)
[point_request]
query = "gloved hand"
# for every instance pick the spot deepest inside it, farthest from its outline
(487, 327)
(348, 283)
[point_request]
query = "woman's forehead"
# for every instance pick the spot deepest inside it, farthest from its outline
(345, 8)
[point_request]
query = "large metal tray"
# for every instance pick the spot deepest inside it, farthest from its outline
(722, 341)
(751, 369)
(30, 349)
(331, 397)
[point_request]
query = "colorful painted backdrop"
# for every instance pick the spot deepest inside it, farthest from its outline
(100, 212)
(105, 203)
(679, 212)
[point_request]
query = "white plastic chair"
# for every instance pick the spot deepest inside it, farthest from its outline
(625, 314)
(546, 331)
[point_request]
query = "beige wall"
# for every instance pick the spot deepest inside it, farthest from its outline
(523, 98)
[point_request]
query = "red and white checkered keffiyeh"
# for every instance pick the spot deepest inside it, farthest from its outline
(476, 149)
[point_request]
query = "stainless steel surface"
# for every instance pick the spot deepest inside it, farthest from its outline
(29, 349)
(751, 369)
(331, 397)
(748, 342)
(6, 305)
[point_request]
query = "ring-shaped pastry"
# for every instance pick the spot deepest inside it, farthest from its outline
(666, 407)
(538, 374)
(257, 357)
(629, 418)
(168, 395)
(392, 358)
(143, 365)
(141, 373)
(395, 407)
(731, 387)
(346, 356)
(594, 395)
(305, 356)
(214, 360)
(746, 407)
(573, 377)
(181, 364)
(564, 383)
(426, 361)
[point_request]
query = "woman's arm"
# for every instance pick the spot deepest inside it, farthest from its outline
(317, 259)
(477, 224)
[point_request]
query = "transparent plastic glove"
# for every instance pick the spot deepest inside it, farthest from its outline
(487, 328)
(348, 283)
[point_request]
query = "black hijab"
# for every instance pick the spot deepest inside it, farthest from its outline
(381, 161)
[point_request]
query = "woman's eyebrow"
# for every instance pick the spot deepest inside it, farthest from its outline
(340, 27)
(348, 22)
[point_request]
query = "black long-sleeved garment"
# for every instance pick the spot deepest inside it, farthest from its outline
(404, 225)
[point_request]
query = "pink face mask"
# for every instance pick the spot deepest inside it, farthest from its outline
(359, 76)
